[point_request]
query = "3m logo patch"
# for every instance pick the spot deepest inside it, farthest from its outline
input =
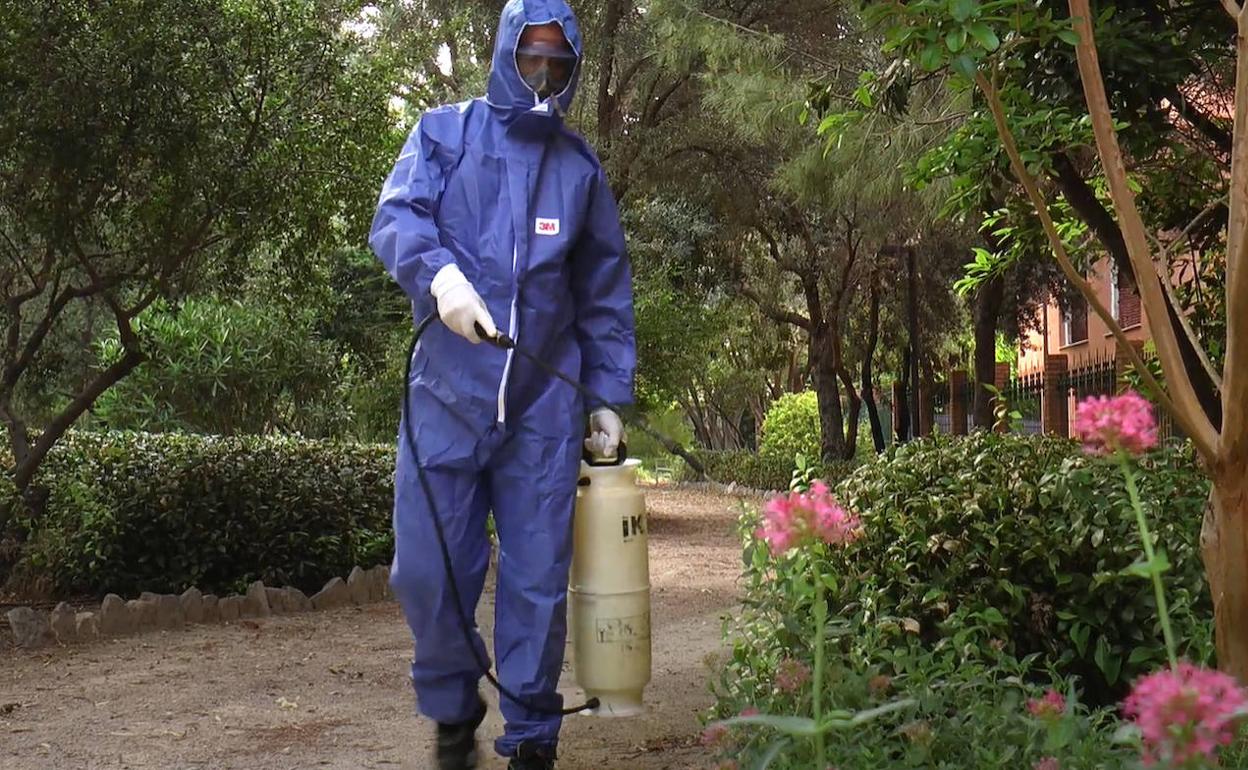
(547, 226)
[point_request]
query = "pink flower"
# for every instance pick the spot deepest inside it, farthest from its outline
(1185, 713)
(1048, 763)
(1050, 706)
(749, 712)
(802, 517)
(791, 675)
(714, 735)
(1125, 422)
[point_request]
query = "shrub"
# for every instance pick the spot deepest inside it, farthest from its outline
(130, 512)
(965, 715)
(1004, 545)
(791, 427)
(757, 471)
(747, 469)
(227, 368)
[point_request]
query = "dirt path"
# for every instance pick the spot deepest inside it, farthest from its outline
(329, 690)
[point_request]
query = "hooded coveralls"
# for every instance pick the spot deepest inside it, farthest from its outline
(502, 189)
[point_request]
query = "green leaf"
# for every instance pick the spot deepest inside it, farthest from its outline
(965, 66)
(1068, 36)
(1142, 654)
(931, 58)
(961, 10)
(862, 717)
(1079, 634)
(984, 35)
(1059, 736)
(992, 615)
(956, 39)
(1107, 661)
(799, 726)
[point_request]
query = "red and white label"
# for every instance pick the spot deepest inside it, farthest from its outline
(547, 226)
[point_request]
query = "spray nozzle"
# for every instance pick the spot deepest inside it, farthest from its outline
(498, 340)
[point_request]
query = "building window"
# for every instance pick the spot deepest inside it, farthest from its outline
(1127, 309)
(1075, 321)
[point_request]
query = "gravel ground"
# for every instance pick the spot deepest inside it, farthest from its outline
(329, 690)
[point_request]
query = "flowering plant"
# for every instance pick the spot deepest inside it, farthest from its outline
(1184, 714)
(807, 517)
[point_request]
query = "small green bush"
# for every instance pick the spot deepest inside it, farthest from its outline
(132, 512)
(1010, 545)
(791, 427)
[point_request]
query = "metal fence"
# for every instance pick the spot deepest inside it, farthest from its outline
(1095, 377)
(1024, 395)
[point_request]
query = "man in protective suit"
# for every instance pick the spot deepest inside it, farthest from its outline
(500, 217)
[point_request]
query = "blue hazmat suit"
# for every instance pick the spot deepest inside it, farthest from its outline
(502, 189)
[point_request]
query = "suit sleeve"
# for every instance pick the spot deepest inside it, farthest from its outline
(404, 234)
(603, 292)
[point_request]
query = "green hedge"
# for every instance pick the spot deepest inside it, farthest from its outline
(757, 471)
(131, 512)
(746, 469)
(1004, 545)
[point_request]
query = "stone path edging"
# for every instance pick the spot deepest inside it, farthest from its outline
(118, 617)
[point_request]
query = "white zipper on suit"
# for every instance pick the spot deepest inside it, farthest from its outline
(513, 333)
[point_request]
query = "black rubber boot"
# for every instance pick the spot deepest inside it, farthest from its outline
(530, 757)
(457, 744)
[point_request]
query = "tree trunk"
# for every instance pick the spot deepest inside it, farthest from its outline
(1224, 541)
(697, 419)
(916, 348)
(1084, 201)
(855, 416)
(873, 410)
(606, 63)
(828, 394)
(868, 376)
(988, 304)
(902, 408)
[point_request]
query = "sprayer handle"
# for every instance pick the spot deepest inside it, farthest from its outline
(499, 340)
(621, 454)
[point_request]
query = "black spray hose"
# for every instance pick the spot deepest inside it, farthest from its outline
(465, 624)
(503, 342)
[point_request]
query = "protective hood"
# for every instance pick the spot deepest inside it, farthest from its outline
(507, 90)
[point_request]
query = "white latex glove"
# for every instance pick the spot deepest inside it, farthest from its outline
(459, 305)
(605, 433)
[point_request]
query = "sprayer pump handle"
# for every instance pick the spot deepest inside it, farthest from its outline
(621, 454)
(499, 340)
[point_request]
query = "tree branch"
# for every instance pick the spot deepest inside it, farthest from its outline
(1235, 367)
(56, 428)
(1200, 121)
(1203, 434)
(1080, 195)
(783, 262)
(1185, 403)
(17, 365)
(1163, 274)
(775, 313)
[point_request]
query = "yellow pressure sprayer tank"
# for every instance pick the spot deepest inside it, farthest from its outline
(609, 591)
